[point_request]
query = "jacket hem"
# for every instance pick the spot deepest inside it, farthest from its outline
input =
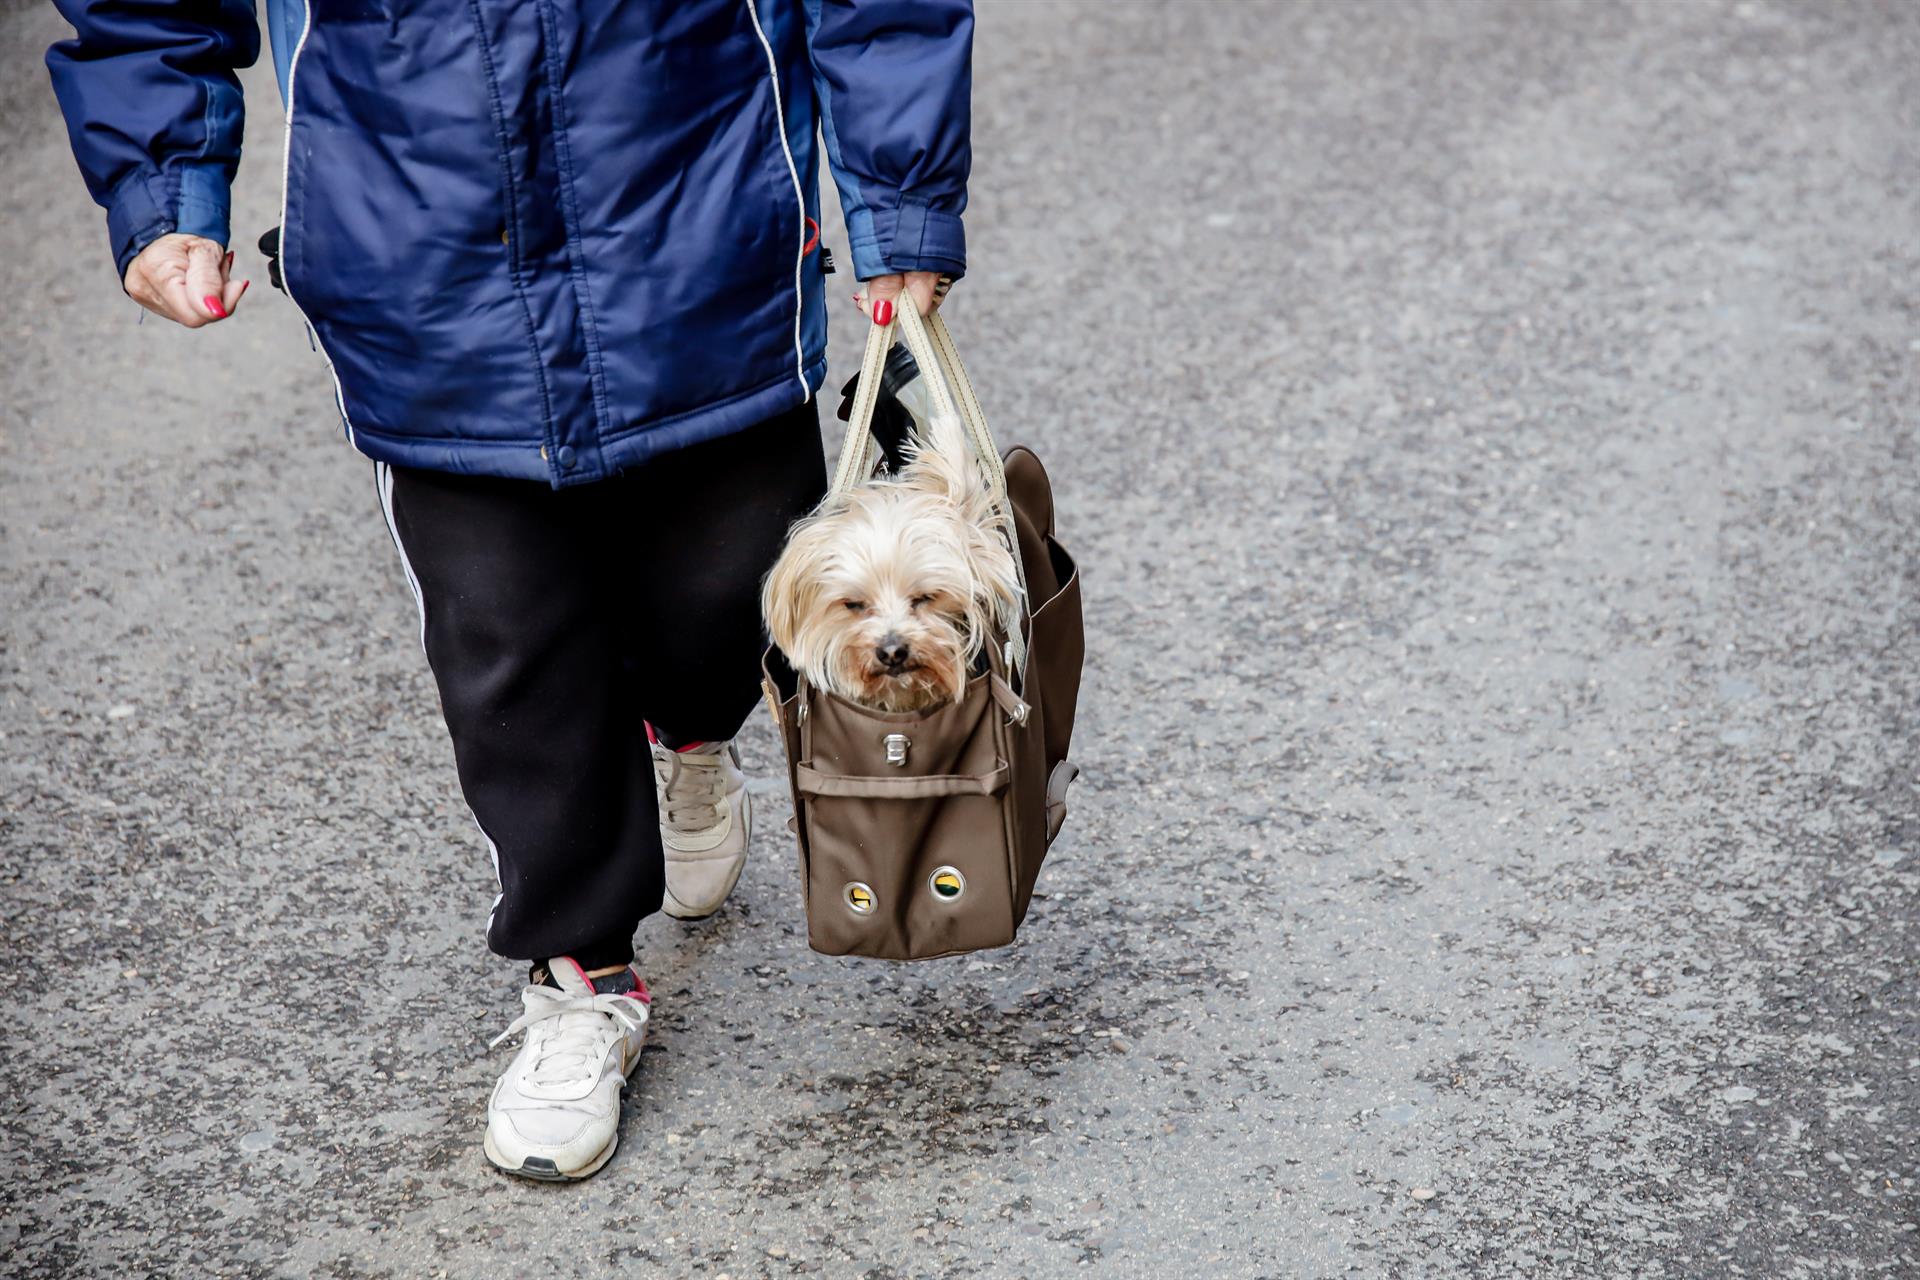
(631, 447)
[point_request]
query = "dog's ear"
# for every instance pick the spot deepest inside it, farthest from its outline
(996, 581)
(781, 601)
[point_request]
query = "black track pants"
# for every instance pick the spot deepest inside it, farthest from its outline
(559, 622)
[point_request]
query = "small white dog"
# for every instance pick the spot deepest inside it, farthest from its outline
(887, 596)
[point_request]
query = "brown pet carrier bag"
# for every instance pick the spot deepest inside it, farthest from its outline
(921, 833)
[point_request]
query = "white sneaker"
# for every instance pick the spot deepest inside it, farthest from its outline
(706, 821)
(555, 1115)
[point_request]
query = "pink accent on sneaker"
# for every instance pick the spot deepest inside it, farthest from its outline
(654, 738)
(639, 991)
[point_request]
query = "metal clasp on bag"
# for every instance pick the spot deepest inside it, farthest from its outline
(897, 744)
(1017, 709)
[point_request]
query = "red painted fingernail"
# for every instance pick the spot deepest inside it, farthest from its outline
(212, 304)
(229, 260)
(883, 311)
(244, 286)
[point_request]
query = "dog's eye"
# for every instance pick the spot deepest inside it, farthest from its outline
(920, 602)
(855, 606)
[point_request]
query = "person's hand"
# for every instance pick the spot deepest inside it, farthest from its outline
(878, 295)
(185, 278)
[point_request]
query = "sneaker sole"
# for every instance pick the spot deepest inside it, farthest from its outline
(679, 910)
(541, 1169)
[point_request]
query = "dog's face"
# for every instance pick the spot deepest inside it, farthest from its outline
(887, 599)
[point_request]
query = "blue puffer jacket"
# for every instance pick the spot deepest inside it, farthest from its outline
(544, 238)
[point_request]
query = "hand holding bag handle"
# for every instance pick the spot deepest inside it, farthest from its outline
(952, 393)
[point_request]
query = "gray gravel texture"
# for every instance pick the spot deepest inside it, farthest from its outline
(1488, 432)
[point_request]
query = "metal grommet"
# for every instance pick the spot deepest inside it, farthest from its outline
(947, 883)
(859, 898)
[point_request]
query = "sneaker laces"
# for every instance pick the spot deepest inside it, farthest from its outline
(693, 789)
(571, 1045)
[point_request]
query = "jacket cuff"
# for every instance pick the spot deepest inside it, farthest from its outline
(911, 237)
(192, 199)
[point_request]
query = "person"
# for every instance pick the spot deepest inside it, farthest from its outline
(564, 261)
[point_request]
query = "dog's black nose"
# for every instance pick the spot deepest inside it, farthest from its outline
(893, 653)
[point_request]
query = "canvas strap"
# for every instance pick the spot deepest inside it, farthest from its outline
(859, 452)
(952, 392)
(947, 382)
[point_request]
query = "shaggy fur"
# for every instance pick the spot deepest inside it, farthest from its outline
(886, 596)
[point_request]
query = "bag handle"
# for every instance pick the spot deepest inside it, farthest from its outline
(947, 382)
(953, 394)
(947, 356)
(859, 452)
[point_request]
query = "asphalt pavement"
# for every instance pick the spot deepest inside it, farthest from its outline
(1488, 432)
